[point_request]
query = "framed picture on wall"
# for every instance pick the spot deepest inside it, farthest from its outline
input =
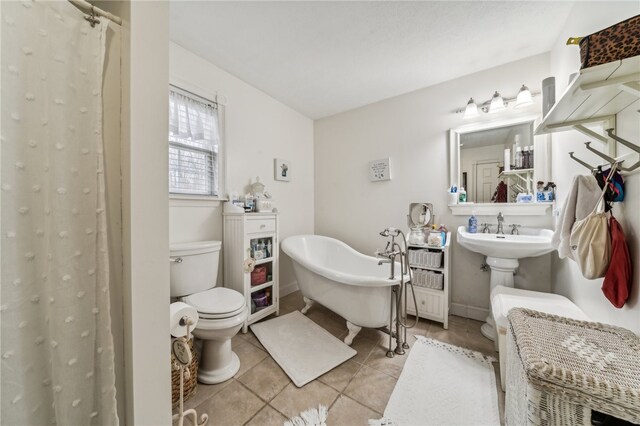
(282, 169)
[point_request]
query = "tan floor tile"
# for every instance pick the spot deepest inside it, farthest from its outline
(451, 336)
(237, 340)
(251, 338)
(232, 407)
(265, 379)
(373, 334)
(371, 388)
(347, 412)
(339, 377)
(473, 326)
(249, 356)
(325, 319)
(287, 309)
(203, 393)
(293, 300)
(392, 366)
(363, 346)
(481, 344)
(293, 400)
(420, 328)
(458, 323)
(267, 417)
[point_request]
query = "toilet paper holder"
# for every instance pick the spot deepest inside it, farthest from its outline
(183, 356)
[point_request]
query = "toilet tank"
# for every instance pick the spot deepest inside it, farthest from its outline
(194, 267)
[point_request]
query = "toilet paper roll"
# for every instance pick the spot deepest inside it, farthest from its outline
(177, 311)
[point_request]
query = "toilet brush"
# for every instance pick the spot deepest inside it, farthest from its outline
(183, 356)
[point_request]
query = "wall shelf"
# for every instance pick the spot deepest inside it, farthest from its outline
(492, 209)
(595, 94)
(524, 175)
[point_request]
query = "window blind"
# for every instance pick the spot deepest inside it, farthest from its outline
(194, 142)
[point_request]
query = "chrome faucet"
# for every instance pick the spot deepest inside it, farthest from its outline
(486, 228)
(514, 229)
(388, 255)
(500, 223)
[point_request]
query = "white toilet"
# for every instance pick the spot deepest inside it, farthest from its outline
(222, 311)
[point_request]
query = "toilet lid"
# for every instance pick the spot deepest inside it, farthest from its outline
(216, 301)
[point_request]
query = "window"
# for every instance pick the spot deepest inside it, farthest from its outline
(194, 145)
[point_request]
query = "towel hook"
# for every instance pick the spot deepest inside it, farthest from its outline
(600, 154)
(588, 166)
(624, 142)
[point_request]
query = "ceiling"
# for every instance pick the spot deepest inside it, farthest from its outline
(323, 58)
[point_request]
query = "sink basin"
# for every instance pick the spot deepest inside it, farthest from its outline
(531, 242)
(503, 252)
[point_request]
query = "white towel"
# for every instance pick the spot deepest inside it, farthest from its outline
(583, 195)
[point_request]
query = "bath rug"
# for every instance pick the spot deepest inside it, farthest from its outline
(442, 384)
(311, 417)
(303, 349)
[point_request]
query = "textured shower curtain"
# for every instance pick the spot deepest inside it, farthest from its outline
(56, 345)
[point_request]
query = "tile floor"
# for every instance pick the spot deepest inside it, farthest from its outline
(261, 394)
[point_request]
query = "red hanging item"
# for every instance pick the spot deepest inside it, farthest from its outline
(617, 282)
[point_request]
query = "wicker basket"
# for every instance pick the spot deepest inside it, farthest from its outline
(190, 384)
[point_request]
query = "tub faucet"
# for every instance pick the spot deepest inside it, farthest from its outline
(500, 223)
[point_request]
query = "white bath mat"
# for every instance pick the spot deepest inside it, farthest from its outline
(443, 384)
(303, 349)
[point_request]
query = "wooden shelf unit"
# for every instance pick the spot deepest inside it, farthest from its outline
(239, 230)
(433, 304)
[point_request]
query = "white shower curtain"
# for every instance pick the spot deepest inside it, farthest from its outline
(56, 344)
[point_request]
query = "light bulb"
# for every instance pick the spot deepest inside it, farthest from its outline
(471, 110)
(524, 97)
(497, 103)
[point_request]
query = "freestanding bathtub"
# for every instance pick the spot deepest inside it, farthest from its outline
(345, 281)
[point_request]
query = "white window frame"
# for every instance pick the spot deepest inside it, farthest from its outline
(194, 200)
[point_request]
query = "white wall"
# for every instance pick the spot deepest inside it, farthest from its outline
(412, 129)
(584, 19)
(258, 129)
(144, 127)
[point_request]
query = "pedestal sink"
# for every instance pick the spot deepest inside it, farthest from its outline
(503, 252)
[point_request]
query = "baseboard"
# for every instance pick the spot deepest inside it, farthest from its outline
(467, 311)
(288, 288)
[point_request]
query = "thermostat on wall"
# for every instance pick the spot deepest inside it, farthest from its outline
(380, 170)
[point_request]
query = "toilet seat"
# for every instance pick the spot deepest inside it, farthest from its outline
(217, 303)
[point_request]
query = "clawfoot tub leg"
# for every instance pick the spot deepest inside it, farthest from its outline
(308, 303)
(353, 332)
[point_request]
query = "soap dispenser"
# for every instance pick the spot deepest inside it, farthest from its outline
(473, 224)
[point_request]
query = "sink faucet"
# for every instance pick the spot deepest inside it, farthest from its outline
(500, 221)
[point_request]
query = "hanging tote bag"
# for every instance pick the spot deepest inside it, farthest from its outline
(590, 242)
(618, 281)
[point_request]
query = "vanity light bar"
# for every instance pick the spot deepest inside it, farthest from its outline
(498, 103)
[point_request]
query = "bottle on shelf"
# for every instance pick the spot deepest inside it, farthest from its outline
(462, 195)
(525, 158)
(518, 157)
(531, 156)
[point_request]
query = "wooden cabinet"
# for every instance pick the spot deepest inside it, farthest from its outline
(253, 236)
(431, 276)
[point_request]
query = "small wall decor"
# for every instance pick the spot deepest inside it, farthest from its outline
(380, 170)
(282, 169)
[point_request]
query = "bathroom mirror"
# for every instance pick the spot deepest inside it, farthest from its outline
(477, 160)
(420, 215)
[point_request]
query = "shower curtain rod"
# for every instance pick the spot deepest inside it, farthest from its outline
(89, 8)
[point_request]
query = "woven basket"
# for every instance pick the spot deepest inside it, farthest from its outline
(190, 384)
